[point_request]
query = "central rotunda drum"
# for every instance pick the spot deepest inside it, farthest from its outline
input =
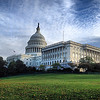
(36, 43)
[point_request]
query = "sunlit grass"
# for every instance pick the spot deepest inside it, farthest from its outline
(50, 87)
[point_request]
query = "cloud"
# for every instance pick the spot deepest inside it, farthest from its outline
(10, 44)
(95, 41)
(86, 11)
(18, 21)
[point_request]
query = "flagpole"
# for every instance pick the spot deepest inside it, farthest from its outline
(63, 49)
(63, 36)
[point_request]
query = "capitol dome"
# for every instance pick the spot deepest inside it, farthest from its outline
(36, 43)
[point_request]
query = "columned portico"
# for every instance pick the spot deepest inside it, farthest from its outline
(68, 52)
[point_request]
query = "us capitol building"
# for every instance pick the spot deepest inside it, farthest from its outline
(37, 52)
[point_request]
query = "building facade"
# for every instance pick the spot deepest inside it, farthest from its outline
(37, 52)
(33, 54)
(22, 57)
(65, 52)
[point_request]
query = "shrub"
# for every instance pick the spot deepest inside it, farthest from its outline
(67, 70)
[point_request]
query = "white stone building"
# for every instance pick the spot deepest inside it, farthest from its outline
(27, 59)
(64, 52)
(35, 44)
(37, 52)
(33, 54)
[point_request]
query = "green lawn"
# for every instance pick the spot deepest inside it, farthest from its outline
(51, 87)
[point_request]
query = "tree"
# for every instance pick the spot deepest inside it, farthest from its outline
(86, 59)
(20, 67)
(96, 67)
(67, 70)
(72, 65)
(56, 65)
(31, 69)
(2, 62)
(12, 68)
(3, 69)
(42, 67)
(17, 67)
(76, 70)
(86, 63)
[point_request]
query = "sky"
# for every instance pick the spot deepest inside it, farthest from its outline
(78, 19)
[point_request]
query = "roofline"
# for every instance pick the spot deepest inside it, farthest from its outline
(71, 42)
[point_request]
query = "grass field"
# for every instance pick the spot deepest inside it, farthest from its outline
(50, 87)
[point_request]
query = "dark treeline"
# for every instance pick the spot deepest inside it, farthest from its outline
(18, 67)
(14, 68)
(90, 67)
(89, 64)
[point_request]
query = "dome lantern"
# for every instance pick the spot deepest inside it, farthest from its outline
(38, 29)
